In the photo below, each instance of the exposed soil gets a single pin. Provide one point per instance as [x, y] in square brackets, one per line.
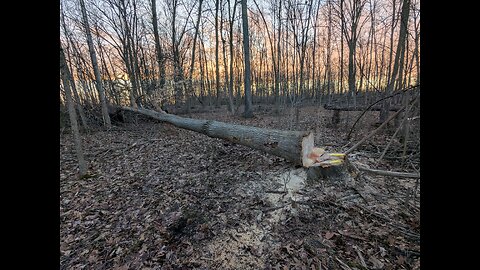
[159, 197]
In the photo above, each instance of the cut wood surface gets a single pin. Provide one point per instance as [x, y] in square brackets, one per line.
[291, 145]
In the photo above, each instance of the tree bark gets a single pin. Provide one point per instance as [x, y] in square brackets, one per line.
[98, 78]
[248, 113]
[74, 88]
[398, 55]
[277, 74]
[217, 62]
[231, 18]
[192, 63]
[356, 108]
[158, 47]
[73, 116]
[291, 145]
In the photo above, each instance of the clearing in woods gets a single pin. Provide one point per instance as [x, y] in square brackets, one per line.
[159, 197]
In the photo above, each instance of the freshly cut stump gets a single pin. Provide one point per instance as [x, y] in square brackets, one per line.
[334, 167]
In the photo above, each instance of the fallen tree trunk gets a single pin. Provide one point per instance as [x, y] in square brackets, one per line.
[359, 109]
[294, 146]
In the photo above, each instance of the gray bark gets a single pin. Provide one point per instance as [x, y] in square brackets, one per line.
[98, 78]
[277, 74]
[73, 116]
[231, 107]
[291, 145]
[74, 88]
[398, 55]
[217, 62]
[192, 63]
[158, 47]
[248, 113]
[231, 17]
[335, 107]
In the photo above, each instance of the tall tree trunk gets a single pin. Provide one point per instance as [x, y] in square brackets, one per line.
[351, 71]
[217, 63]
[231, 22]
[341, 46]
[391, 42]
[98, 78]
[315, 86]
[177, 68]
[192, 63]
[248, 113]
[77, 98]
[329, 52]
[400, 48]
[202, 76]
[73, 116]
[103, 64]
[230, 105]
[277, 74]
[158, 47]
[371, 40]
[127, 43]
[70, 75]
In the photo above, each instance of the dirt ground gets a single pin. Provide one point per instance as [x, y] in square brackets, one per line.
[159, 197]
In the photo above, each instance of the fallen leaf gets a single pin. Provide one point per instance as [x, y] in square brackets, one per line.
[383, 252]
[377, 264]
[391, 240]
[329, 235]
[401, 259]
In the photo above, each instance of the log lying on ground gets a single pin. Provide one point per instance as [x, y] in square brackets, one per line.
[294, 146]
[358, 108]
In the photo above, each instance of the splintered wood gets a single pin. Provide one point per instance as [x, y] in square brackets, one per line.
[319, 157]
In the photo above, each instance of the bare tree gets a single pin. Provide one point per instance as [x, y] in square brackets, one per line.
[73, 115]
[248, 113]
[93, 57]
[227, 88]
[217, 63]
[398, 55]
[192, 60]
[354, 12]
[296, 49]
[279, 54]
[158, 47]
[70, 76]
[231, 21]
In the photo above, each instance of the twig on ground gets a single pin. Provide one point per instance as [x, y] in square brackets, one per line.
[360, 256]
[342, 264]
[391, 223]
[388, 173]
[276, 191]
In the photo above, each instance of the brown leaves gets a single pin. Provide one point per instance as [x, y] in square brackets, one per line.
[329, 235]
[377, 264]
[170, 200]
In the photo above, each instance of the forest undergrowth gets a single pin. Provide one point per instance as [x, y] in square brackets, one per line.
[159, 197]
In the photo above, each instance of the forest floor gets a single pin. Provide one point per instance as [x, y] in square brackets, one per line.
[159, 197]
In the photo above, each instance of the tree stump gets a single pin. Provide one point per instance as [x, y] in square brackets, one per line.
[343, 173]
